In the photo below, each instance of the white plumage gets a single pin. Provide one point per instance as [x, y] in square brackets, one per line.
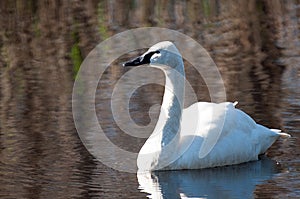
[202, 135]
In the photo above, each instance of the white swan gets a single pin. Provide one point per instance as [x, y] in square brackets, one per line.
[202, 135]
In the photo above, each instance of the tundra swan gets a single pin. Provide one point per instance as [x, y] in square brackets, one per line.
[186, 138]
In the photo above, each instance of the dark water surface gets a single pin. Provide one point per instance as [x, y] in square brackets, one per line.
[254, 43]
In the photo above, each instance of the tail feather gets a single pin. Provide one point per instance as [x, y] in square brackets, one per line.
[281, 134]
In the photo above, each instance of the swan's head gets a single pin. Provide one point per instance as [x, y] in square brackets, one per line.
[162, 53]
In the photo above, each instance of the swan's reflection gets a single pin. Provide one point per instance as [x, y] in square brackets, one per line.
[237, 181]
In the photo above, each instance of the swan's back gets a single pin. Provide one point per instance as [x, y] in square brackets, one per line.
[221, 135]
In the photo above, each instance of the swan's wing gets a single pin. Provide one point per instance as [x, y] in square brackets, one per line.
[234, 135]
[210, 121]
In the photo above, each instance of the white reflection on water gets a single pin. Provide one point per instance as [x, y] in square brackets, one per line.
[238, 181]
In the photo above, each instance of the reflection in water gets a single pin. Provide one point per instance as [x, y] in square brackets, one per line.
[238, 181]
[254, 43]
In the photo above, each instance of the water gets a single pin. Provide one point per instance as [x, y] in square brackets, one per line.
[254, 44]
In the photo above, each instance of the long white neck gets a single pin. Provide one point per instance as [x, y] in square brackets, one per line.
[160, 148]
[172, 105]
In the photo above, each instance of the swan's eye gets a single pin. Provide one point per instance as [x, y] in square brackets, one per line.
[149, 56]
[142, 59]
[155, 55]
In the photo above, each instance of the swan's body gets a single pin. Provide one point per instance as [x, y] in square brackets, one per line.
[202, 135]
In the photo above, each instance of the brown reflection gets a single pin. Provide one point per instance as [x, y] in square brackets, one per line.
[253, 43]
[41, 155]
